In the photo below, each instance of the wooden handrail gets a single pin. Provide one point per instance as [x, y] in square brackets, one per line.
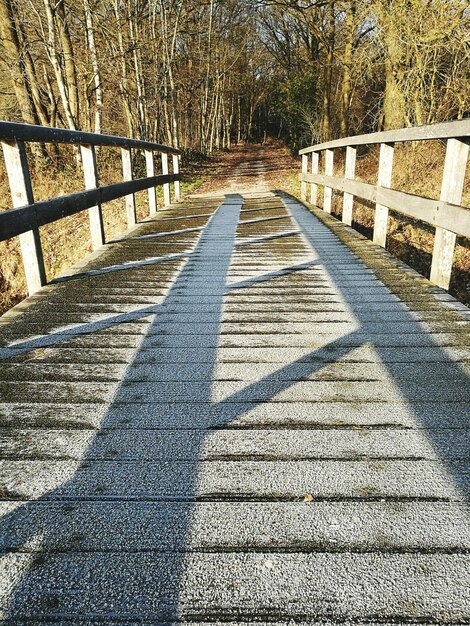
[26, 216]
[458, 129]
[11, 131]
[446, 215]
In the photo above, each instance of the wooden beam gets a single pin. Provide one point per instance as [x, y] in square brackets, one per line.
[348, 198]
[459, 129]
[127, 174]
[453, 179]
[303, 185]
[166, 186]
[21, 194]
[434, 212]
[384, 180]
[176, 169]
[11, 131]
[90, 175]
[152, 192]
[314, 186]
[14, 222]
[328, 191]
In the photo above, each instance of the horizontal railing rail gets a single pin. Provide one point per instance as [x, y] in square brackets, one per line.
[446, 215]
[26, 216]
[11, 131]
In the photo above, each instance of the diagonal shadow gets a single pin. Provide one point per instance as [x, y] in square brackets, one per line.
[112, 506]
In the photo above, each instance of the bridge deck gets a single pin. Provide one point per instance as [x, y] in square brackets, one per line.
[231, 415]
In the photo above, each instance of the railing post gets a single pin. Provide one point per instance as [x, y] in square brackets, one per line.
[126, 156]
[90, 176]
[328, 191]
[451, 191]
[303, 184]
[152, 192]
[314, 186]
[176, 170]
[384, 180]
[348, 198]
[166, 186]
[21, 190]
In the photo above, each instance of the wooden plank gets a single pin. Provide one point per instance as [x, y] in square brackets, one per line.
[348, 198]
[434, 212]
[127, 174]
[451, 191]
[166, 186]
[11, 131]
[303, 185]
[384, 180]
[152, 192]
[13, 222]
[314, 186]
[16, 164]
[90, 175]
[459, 129]
[328, 191]
[176, 169]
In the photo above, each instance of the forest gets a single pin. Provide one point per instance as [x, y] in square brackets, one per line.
[202, 75]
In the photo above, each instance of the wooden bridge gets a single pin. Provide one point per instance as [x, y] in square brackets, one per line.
[239, 411]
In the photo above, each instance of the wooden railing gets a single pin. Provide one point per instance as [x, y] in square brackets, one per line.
[26, 216]
[446, 214]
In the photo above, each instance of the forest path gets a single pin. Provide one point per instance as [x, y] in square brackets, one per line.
[251, 169]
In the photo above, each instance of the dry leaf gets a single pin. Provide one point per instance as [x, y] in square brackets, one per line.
[308, 497]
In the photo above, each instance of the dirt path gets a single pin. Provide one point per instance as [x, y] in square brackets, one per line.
[252, 169]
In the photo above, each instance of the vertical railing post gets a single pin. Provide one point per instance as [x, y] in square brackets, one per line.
[314, 186]
[328, 191]
[126, 156]
[384, 180]
[152, 192]
[176, 171]
[348, 198]
[16, 163]
[303, 184]
[166, 186]
[90, 176]
[451, 191]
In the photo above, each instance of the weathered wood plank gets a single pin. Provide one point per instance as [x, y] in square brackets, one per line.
[126, 155]
[152, 192]
[349, 172]
[455, 129]
[328, 191]
[166, 186]
[303, 185]
[13, 222]
[434, 212]
[453, 179]
[90, 175]
[314, 186]
[384, 180]
[22, 193]
[176, 169]
[11, 131]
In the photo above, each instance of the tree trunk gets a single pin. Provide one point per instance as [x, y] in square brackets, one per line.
[347, 67]
[69, 61]
[15, 61]
[94, 64]
[326, 122]
[53, 56]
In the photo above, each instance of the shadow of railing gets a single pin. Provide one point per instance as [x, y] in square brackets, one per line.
[129, 560]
